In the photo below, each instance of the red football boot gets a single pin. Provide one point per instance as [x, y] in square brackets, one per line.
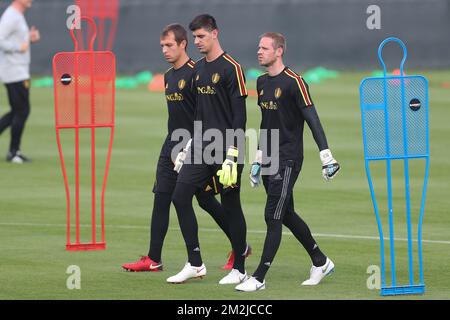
[230, 262]
[143, 264]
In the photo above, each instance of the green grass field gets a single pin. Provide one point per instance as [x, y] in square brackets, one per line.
[33, 260]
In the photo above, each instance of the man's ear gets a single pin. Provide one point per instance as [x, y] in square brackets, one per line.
[280, 52]
[215, 33]
[183, 44]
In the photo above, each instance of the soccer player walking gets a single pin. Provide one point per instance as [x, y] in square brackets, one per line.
[286, 105]
[181, 107]
[15, 40]
[220, 105]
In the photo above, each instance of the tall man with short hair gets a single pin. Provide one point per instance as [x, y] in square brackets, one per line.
[15, 40]
[181, 107]
[220, 105]
[286, 105]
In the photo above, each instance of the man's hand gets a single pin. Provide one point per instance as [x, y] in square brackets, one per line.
[24, 47]
[255, 171]
[228, 174]
[330, 167]
[35, 36]
[181, 157]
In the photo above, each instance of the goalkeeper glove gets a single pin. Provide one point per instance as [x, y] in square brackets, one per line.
[329, 166]
[255, 171]
[228, 174]
[179, 161]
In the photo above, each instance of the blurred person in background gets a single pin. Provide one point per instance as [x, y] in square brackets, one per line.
[15, 40]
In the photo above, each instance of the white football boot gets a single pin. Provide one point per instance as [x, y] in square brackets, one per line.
[251, 285]
[188, 272]
[234, 277]
[318, 273]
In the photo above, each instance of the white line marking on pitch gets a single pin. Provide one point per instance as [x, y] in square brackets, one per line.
[319, 235]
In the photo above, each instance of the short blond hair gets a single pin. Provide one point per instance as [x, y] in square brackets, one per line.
[279, 41]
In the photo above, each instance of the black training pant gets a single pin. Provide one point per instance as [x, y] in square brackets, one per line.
[19, 101]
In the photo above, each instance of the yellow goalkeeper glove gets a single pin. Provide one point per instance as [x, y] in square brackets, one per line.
[228, 174]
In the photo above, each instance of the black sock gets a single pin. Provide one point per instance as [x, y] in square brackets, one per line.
[271, 245]
[301, 231]
[194, 255]
[159, 224]
[231, 203]
[182, 200]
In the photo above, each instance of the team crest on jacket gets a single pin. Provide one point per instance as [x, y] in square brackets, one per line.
[278, 93]
[181, 84]
[215, 78]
